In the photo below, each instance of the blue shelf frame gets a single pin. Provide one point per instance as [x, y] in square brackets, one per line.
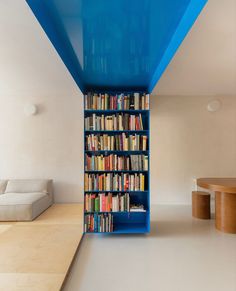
[112, 132]
[125, 222]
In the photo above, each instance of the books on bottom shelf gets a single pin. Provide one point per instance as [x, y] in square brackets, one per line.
[107, 203]
[98, 222]
[131, 101]
[115, 162]
[118, 142]
[114, 182]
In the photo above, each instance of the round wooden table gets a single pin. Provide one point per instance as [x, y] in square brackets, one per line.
[225, 201]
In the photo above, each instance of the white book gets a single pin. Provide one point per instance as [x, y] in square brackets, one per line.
[137, 210]
[147, 101]
[136, 101]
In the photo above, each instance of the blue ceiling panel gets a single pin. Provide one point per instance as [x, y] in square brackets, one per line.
[116, 44]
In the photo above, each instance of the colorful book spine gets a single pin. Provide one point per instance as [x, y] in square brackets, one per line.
[121, 142]
[98, 222]
[115, 162]
[114, 182]
[132, 101]
[114, 122]
[107, 202]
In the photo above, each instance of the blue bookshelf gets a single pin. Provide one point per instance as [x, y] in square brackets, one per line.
[123, 221]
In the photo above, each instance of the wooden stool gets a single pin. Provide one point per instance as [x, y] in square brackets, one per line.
[201, 205]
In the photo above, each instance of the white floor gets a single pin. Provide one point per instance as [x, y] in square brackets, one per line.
[180, 254]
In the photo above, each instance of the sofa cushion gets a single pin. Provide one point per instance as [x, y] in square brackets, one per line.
[18, 199]
[27, 186]
[23, 207]
[3, 184]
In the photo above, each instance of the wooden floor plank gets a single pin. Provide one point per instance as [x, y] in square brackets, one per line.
[37, 255]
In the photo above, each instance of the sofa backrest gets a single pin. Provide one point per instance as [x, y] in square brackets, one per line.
[3, 184]
[28, 185]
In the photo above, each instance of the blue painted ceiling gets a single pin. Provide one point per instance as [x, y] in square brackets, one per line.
[116, 44]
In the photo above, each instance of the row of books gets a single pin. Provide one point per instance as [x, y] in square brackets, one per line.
[118, 142]
[114, 122]
[115, 162]
[107, 203]
[98, 222]
[132, 101]
[114, 182]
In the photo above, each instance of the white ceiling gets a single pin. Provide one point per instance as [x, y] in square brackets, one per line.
[204, 65]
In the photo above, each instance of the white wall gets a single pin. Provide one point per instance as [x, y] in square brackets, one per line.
[47, 145]
[50, 144]
[188, 141]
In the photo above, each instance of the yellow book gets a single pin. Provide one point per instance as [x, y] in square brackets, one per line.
[142, 182]
[102, 163]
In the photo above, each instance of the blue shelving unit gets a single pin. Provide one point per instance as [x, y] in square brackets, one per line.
[124, 222]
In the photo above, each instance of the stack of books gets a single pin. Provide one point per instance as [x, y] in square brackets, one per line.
[137, 208]
[132, 101]
[114, 122]
[114, 182]
[98, 222]
[116, 163]
[107, 203]
[119, 142]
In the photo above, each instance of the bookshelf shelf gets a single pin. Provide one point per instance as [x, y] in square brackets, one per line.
[124, 230]
[116, 131]
[118, 219]
[112, 191]
[121, 171]
[116, 212]
[117, 152]
[116, 111]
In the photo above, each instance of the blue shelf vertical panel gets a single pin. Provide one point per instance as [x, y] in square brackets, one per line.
[124, 221]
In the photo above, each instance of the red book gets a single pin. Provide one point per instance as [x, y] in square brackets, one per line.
[137, 123]
[106, 203]
[108, 164]
[100, 183]
[109, 202]
[103, 202]
[126, 182]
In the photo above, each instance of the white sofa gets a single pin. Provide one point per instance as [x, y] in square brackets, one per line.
[24, 200]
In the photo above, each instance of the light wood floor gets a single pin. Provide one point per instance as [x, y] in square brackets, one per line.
[35, 256]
